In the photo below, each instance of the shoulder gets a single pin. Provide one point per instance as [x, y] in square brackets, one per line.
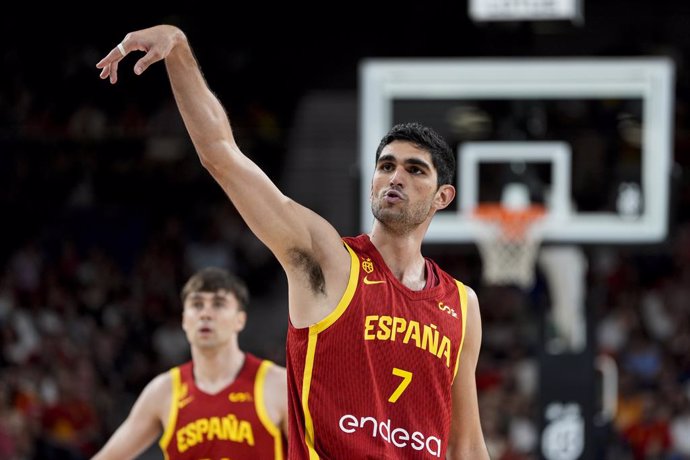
[276, 376]
[471, 304]
[472, 299]
[474, 321]
[155, 398]
[160, 385]
[473, 310]
[275, 392]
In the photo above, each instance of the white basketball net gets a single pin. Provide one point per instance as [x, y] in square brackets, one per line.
[508, 256]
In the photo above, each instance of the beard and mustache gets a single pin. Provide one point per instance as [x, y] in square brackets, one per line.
[403, 217]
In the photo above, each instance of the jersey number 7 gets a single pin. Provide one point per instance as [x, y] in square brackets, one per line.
[406, 379]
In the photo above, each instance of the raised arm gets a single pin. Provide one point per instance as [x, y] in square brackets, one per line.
[304, 243]
[466, 438]
[143, 425]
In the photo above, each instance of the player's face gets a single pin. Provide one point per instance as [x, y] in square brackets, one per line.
[404, 186]
[212, 318]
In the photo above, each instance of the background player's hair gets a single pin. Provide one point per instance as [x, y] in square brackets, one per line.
[213, 279]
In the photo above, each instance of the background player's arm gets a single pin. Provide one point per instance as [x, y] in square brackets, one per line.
[302, 241]
[466, 438]
[143, 425]
[275, 395]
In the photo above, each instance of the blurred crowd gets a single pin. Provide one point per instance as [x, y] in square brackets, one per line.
[107, 211]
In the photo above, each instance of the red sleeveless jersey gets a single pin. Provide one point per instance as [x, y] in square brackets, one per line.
[230, 425]
[373, 379]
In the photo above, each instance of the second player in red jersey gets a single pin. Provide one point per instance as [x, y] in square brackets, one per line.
[233, 423]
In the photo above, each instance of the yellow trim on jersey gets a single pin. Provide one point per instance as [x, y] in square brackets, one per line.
[314, 331]
[345, 300]
[463, 314]
[262, 411]
[172, 416]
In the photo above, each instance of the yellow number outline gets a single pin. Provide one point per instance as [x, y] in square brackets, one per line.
[406, 379]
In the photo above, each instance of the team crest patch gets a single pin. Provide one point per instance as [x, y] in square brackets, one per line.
[368, 265]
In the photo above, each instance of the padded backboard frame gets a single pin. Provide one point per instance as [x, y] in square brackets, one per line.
[383, 81]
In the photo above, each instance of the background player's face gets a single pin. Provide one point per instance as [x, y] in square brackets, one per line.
[212, 319]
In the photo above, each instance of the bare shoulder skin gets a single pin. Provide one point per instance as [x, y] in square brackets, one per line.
[275, 396]
[143, 425]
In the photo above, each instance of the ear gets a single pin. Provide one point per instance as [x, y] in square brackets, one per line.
[182, 322]
[241, 320]
[444, 196]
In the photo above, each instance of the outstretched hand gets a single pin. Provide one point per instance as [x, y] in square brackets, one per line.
[157, 42]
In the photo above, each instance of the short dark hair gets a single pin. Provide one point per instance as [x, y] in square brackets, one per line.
[427, 139]
[214, 279]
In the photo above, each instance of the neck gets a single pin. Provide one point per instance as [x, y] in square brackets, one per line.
[214, 369]
[402, 254]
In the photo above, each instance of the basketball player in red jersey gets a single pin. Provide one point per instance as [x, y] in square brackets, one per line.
[382, 344]
[224, 403]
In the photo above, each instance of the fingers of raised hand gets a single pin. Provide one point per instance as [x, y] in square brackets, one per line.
[121, 46]
[110, 62]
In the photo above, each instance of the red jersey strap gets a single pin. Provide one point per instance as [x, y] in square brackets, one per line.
[262, 410]
[314, 331]
[175, 395]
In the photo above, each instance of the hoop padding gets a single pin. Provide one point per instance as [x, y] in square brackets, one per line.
[508, 243]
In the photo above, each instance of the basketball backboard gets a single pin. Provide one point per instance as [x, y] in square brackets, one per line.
[591, 138]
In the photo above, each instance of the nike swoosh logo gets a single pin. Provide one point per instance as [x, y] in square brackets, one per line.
[183, 402]
[368, 281]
